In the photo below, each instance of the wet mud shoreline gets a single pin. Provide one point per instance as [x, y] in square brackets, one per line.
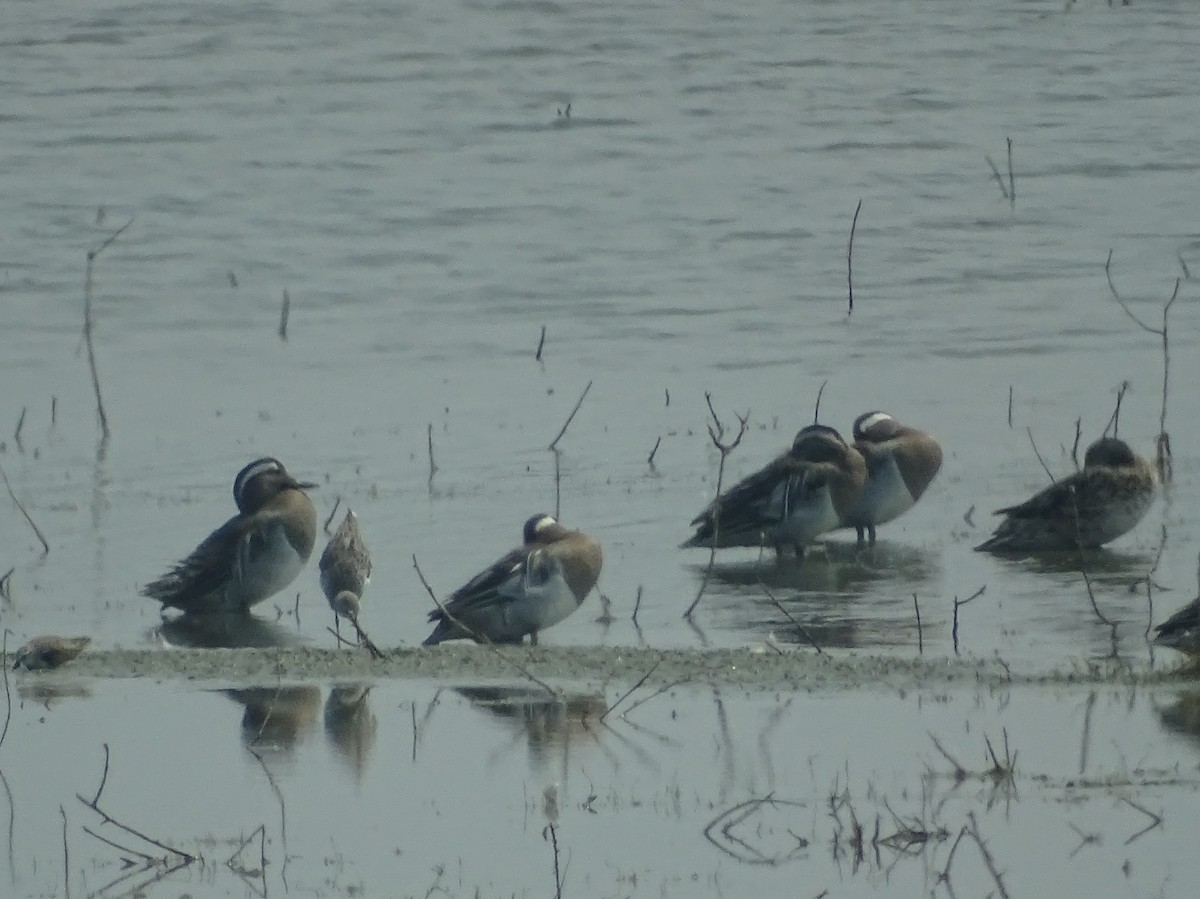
[753, 668]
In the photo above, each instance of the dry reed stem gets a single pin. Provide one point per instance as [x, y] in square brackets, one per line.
[38, 531]
[92, 254]
[1042, 461]
[641, 680]
[653, 452]
[957, 604]
[850, 258]
[285, 309]
[7, 691]
[1163, 457]
[570, 418]
[920, 631]
[817, 405]
[433, 469]
[716, 431]
[541, 343]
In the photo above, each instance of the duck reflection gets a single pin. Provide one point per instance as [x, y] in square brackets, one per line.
[350, 724]
[550, 723]
[225, 631]
[818, 594]
[1104, 566]
[47, 692]
[275, 718]
[1182, 716]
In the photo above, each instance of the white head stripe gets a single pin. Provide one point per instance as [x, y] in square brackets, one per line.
[260, 467]
[873, 419]
[544, 522]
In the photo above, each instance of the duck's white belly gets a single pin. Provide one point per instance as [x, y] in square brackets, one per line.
[885, 497]
[802, 521]
[262, 568]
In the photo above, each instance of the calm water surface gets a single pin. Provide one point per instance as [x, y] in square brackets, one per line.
[408, 174]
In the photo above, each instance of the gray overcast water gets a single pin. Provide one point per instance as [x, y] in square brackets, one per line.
[407, 172]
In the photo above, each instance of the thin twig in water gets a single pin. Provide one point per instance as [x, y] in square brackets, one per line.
[804, 632]
[53, 410]
[38, 531]
[1010, 399]
[1012, 185]
[957, 604]
[7, 695]
[716, 431]
[337, 501]
[1155, 820]
[817, 405]
[433, 469]
[285, 310]
[87, 321]
[1087, 580]
[1032, 443]
[553, 831]
[968, 516]
[541, 343]
[999, 178]
[850, 258]
[990, 862]
[641, 680]
[650, 459]
[1075, 445]
[920, 632]
[17, 432]
[1163, 442]
[1114, 421]
[66, 855]
[477, 637]
[570, 418]
[637, 605]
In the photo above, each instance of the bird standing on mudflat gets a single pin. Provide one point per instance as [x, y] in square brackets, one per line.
[524, 592]
[253, 555]
[901, 463]
[1102, 501]
[798, 496]
[345, 568]
[42, 653]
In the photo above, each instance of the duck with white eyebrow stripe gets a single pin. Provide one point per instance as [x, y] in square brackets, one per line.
[901, 463]
[524, 592]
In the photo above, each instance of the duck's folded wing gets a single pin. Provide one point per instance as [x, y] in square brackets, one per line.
[1055, 501]
[754, 501]
[491, 585]
[205, 569]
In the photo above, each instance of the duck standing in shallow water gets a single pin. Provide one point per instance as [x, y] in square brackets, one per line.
[252, 556]
[798, 496]
[901, 463]
[1095, 505]
[526, 591]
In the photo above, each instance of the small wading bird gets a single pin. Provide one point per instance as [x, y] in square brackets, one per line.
[901, 462]
[49, 652]
[252, 556]
[530, 589]
[345, 568]
[1099, 503]
[798, 496]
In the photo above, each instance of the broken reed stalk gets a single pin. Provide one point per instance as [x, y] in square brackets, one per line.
[94, 805]
[1075, 445]
[553, 831]
[570, 418]
[66, 855]
[38, 531]
[716, 431]
[1163, 459]
[479, 638]
[650, 460]
[541, 343]
[999, 178]
[1114, 420]
[920, 632]
[53, 410]
[641, 680]
[1012, 184]
[989, 862]
[557, 484]
[285, 309]
[850, 258]
[804, 632]
[1010, 398]
[337, 501]
[20, 424]
[1045, 468]
[959, 603]
[433, 469]
[7, 689]
[817, 405]
[92, 254]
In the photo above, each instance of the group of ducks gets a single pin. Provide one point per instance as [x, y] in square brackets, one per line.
[822, 483]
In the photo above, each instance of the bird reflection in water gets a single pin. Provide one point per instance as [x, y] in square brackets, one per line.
[275, 718]
[842, 596]
[1182, 716]
[224, 631]
[350, 724]
[551, 723]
